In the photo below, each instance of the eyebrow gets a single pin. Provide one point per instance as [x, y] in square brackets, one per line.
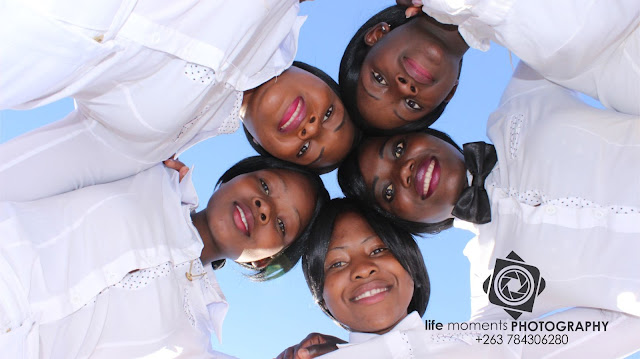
[363, 241]
[344, 118]
[381, 151]
[395, 112]
[317, 159]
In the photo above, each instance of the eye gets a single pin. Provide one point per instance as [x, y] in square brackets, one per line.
[378, 78]
[412, 104]
[337, 265]
[398, 150]
[303, 149]
[281, 227]
[328, 113]
[388, 193]
[265, 188]
[379, 250]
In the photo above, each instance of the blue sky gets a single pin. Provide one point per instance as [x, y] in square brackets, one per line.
[265, 318]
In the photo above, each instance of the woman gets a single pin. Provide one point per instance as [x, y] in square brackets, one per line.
[399, 73]
[121, 269]
[370, 278]
[141, 101]
[559, 195]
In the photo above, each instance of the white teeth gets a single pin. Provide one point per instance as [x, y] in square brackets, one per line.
[427, 177]
[370, 293]
[244, 219]
[293, 116]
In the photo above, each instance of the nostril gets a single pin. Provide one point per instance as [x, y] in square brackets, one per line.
[402, 80]
[413, 165]
[413, 89]
[263, 216]
[258, 204]
[312, 120]
[304, 131]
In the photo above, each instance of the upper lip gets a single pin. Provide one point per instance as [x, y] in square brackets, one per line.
[248, 216]
[416, 71]
[422, 177]
[293, 115]
[363, 288]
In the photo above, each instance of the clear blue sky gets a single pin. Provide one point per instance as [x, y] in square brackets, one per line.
[265, 318]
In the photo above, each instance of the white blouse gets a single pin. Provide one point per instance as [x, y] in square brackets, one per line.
[410, 339]
[161, 77]
[69, 265]
[592, 47]
[564, 198]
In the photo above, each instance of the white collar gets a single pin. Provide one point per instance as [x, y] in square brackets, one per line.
[412, 320]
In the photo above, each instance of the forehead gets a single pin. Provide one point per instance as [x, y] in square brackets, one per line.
[350, 230]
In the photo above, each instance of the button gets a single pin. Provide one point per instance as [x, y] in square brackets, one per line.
[99, 38]
[550, 210]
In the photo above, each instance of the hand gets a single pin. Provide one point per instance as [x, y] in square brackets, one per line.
[314, 345]
[178, 166]
[414, 7]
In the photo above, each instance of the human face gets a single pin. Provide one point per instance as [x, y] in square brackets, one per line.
[258, 214]
[408, 72]
[416, 176]
[365, 287]
[298, 118]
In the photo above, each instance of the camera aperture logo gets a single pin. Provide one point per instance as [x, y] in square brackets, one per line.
[514, 285]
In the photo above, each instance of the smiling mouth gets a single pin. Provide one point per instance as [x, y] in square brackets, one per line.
[427, 178]
[293, 116]
[370, 293]
[240, 219]
[417, 71]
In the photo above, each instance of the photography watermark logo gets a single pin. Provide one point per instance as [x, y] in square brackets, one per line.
[514, 285]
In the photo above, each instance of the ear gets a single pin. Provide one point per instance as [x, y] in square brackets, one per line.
[376, 32]
[261, 263]
[452, 92]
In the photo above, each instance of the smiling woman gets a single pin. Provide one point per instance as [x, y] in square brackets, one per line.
[146, 259]
[299, 117]
[364, 272]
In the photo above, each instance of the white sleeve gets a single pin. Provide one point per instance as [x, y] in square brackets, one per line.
[60, 157]
[592, 47]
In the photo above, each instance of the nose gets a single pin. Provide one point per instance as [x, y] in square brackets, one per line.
[263, 209]
[405, 85]
[405, 172]
[309, 130]
[363, 269]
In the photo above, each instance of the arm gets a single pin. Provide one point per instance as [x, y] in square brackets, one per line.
[61, 157]
[592, 47]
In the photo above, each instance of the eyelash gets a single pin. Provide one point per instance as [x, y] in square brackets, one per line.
[280, 222]
[328, 114]
[413, 104]
[303, 149]
[379, 250]
[398, 149]
[388, 192]
[378, 78]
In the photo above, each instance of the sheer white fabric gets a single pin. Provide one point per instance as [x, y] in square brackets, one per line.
[589, 46]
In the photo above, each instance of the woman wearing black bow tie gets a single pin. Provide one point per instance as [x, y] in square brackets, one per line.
[563, 195]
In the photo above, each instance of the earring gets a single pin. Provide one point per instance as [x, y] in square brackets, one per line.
[384, 29]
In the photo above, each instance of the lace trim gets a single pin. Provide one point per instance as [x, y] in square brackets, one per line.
[141, 278]
[186, 305]
[536, 198]
[514, 138]
[405, 338]
[199, 73]
[232, 122]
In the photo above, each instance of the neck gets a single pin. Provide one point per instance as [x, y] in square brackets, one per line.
[211, 252]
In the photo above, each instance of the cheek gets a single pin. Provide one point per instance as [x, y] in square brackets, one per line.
[332, 294]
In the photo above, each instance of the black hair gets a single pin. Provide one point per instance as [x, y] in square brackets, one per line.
[399, 242]
[287, 258]
[351, 64]
[352, 183]
[334, 86]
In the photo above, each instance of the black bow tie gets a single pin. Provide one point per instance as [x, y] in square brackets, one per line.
[473, 205]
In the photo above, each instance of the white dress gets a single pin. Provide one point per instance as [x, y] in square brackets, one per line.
[161, 77]
[410, 339]
[589, 46]
[564, 197]
[101, 271]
